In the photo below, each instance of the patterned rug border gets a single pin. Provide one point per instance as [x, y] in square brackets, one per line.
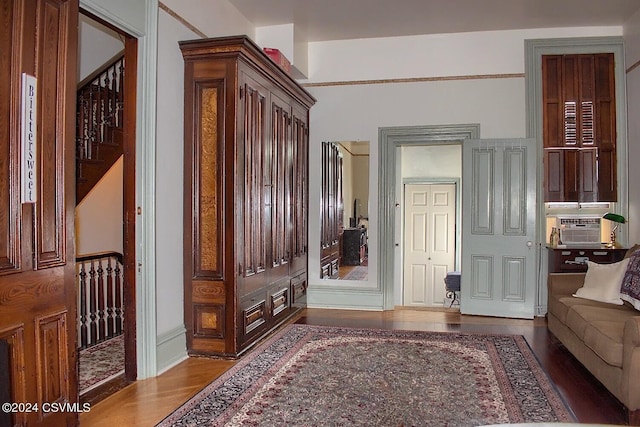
[552, 395]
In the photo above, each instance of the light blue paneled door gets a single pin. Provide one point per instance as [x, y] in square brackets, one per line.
[498, 235]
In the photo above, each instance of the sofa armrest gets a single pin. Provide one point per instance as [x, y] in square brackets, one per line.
[631, 363]
[564, 283]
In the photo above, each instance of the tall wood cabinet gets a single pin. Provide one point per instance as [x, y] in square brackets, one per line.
[331, 211]
[579, 121]
[246, 194]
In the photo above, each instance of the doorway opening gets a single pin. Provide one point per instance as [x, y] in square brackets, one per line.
[105, 207]
[390, 193]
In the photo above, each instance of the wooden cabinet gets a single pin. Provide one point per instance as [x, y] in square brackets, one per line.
[579, 122]
[246, 194]
[574, 260]
[331, 211]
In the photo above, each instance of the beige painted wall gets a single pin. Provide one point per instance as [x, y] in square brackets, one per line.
[99, 215]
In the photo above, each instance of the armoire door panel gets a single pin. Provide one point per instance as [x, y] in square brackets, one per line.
[299, 198]
[279, 180]
[208, 239]
[252, 130]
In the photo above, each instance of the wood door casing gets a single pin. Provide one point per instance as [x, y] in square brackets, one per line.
[37, 272]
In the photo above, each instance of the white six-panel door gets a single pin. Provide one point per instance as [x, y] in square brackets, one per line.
[429, 242]
[498, 228]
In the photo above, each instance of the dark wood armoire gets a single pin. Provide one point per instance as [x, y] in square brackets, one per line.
[331, 211]
[246, 194]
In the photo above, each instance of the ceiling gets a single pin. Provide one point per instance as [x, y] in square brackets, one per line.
[323, 20]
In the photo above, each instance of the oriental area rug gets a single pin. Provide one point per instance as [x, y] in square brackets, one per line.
[100, 363]
[329, 376]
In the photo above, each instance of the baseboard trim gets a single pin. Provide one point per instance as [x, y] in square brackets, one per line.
[349, 299]
[171, 349]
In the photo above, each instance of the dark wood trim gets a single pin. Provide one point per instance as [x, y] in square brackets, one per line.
[129, 204]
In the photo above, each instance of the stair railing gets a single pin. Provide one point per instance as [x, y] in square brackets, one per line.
[100, 100]
[100, 281]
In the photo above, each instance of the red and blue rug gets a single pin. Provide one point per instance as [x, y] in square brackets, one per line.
[327, 376]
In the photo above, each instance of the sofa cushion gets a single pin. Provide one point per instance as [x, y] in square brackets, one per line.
[561, 304]
[580, 316]
[630, 288]
[603, 282]
[604, 337]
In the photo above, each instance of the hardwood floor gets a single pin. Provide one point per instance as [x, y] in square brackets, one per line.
[146, 402]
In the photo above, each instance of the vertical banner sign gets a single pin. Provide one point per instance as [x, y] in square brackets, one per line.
[28, 136]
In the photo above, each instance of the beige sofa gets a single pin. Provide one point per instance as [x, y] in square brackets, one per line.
[605, 338]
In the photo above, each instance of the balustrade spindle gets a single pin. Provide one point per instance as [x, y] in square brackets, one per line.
[100, 283]
[83, 307]
[110, 302]
[93, 327]
[118, 306]
[101, 304]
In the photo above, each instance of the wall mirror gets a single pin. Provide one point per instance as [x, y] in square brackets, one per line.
[344, 206]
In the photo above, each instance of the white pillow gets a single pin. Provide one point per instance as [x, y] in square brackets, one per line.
[603, 281]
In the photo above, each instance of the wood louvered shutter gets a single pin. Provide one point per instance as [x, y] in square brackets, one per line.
[579, 127]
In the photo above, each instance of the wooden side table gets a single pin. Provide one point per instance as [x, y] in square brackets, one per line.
[574, 259]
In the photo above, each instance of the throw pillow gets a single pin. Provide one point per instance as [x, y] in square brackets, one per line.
[603, 282]
[631, 250]
[630, 290]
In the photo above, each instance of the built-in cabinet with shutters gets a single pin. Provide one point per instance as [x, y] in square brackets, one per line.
[246, 194]
[579, 122]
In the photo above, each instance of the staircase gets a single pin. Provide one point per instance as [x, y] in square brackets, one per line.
[99, 125]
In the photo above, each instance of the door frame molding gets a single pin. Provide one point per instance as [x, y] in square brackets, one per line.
[390, 138]
[145, 222]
